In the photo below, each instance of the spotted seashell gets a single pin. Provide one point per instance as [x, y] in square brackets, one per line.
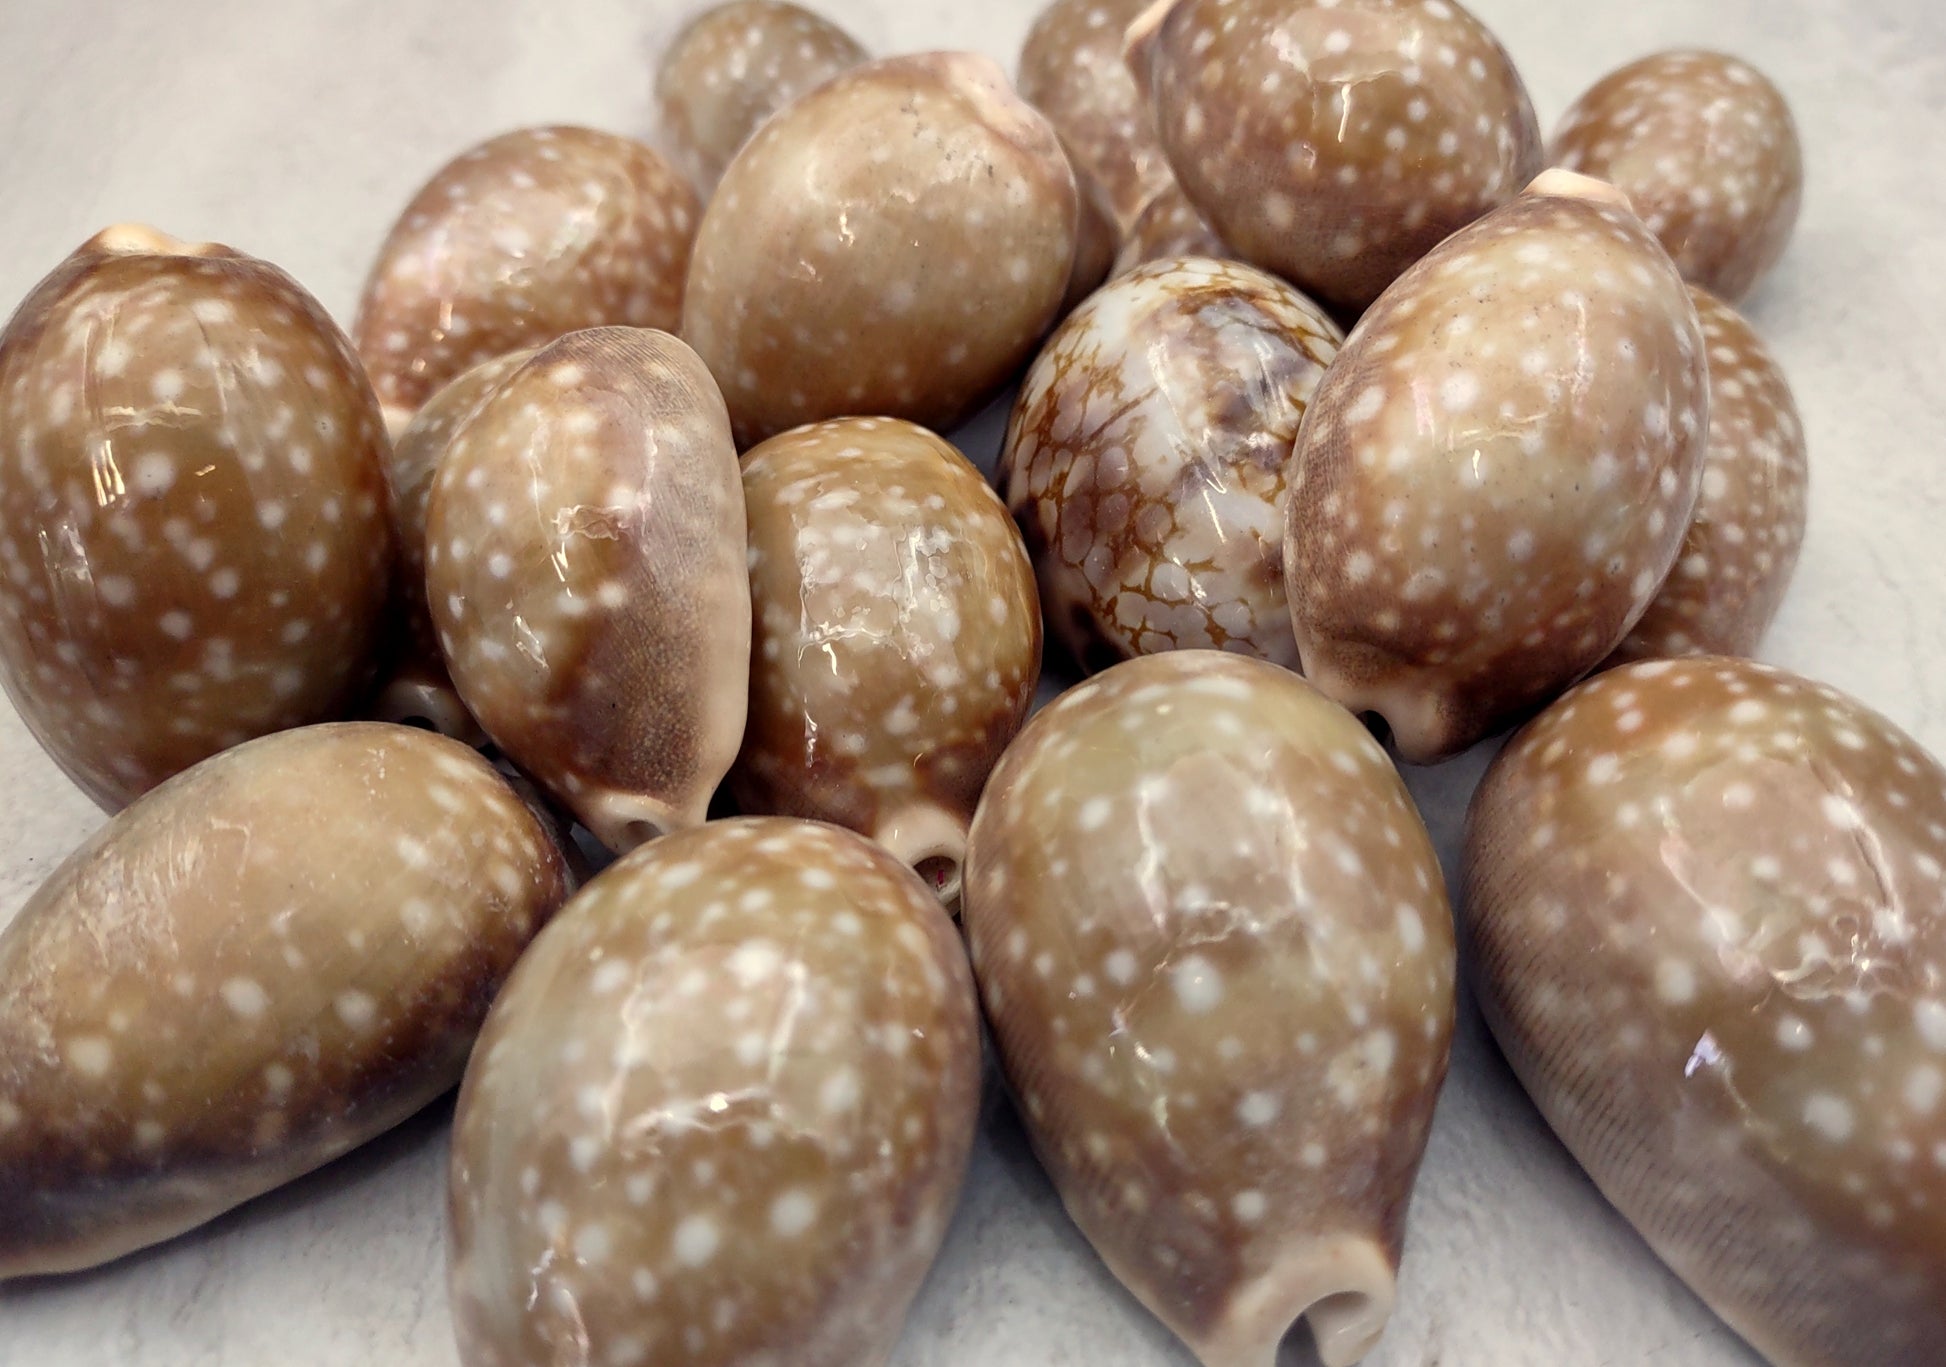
[1706, 150]
[585, 566]
[1708, 924]
[721, 1113]
[735, 65]
[1146, 460]
[1168, 225]
[1335, 142]
[1495, 477]
[263, 963]
[1215, 950]
[193, 548]
[897, 637]
[1741, 549]
[894, 243]
[530, 235]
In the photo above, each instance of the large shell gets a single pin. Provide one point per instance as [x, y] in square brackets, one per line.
[894, 243]
[721, 1113]
[1705, 148]
[1146, 460]
[530, 235]
[1214, 945]
[585, 565]
[1496, 475]
[193, 548]
[1709, 930]
[1335, 142]
[897, 636]
[268, 960]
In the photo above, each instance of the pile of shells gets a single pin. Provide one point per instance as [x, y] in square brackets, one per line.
[1356, 424]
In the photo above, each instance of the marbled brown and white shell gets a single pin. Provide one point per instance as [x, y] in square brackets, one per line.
[1496, 474]
[721, 1113]
[1708, 926]
[1168, 225]
[1146, 460]
[585, 569]
[897, 636]
[1706, 150]
[1215, 950]
[268, 960]
[1335, 142]
[193, 545]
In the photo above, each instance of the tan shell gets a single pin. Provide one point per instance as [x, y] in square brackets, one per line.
[193, 548]
[1071, 69]
[1168, 225]
[1146, 460]
[894, 243]
[1495, 477]
[1709, 930]
[732, 67]
[531, 235]
[721, 1113]
[1215, 950]
[897, 637]
[1741, 548]
[585, 564]
[1335, 143]
[1706, 150]
[1097, 240]
[265, 962]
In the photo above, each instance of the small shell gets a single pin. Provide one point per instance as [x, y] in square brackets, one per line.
[1708, 926]
[1342, 139]
[1705, 148]
[1215, 950]
[721, 1113]
[1071, 69]
[734, 66]
[1168, 225]
[527, 237]
[1145, 460]
[267, 961]
[894, 243]
[1495, 477]
[1743, 540]
[897, 637]
[193, 548]
[585, 565]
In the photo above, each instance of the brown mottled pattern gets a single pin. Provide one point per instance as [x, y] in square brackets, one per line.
[1496, 475]
[1215, 950]
[265, 962]
[721, 1113]
[1706, 907]
[1706, 149]
[1741, 548]
[734, 66]
[1146, 460]
[1336, 143]
[585, 566]
[896, 639]
[1168, 225]
[1071, 69]
[894, 244]
[193, 545]
[530, 235]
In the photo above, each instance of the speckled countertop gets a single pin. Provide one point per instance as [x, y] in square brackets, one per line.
[297, 131]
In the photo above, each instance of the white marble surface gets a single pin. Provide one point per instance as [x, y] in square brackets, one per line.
[297, 130]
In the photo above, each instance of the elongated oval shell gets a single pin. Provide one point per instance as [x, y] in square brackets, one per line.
[721, 1113]
[193, 547]
[1214, 947]
[265, 962]
[585, 566]
[897, 636]
[1708, 926]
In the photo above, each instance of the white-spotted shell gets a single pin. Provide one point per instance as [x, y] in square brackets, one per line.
[1708, 927]
[1214, 947]
[721, 1113]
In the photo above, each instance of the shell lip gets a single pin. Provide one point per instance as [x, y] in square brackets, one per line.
[931, 841]
[1559, 183]
[140, 239]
